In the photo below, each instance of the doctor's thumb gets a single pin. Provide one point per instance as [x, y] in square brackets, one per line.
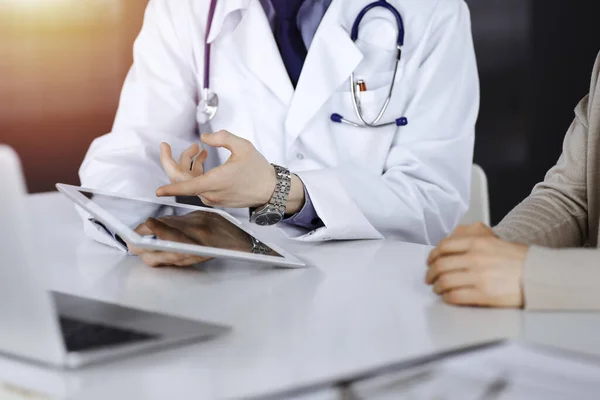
[222, 139]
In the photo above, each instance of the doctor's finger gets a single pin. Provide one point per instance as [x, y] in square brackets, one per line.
[163, 231]
[136, 250]
[226, 140]
[164, 259]
[168, 163]
[186, 157]
[198, 163]
[143, 229]
[192, 187]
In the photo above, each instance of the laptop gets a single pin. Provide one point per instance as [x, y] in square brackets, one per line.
[59, 329]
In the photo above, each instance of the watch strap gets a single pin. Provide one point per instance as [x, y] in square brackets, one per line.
[282, 188]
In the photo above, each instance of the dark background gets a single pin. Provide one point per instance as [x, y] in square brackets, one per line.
[535, 60]
[61, 70]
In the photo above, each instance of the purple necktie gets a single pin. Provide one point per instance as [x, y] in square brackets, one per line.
[288, 37]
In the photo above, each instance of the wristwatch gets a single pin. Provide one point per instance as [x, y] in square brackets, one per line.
[273, 212]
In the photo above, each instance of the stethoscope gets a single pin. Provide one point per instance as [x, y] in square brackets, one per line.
[209, 101]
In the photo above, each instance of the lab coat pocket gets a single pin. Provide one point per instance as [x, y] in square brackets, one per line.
[363, 146]
[371, 101]
[377, 86]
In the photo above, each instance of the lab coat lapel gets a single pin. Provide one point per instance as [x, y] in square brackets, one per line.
[331, 59]
[253, 47]
[223, 9]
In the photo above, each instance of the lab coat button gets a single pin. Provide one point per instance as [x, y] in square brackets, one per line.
[300, 156]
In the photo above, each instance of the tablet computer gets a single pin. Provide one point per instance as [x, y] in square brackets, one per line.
[181, 228]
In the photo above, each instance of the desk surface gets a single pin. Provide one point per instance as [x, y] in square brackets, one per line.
[360, 305]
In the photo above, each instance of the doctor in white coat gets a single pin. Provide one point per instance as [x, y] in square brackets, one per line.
[409, 182]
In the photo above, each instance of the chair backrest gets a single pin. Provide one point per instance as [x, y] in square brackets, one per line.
[479, 207]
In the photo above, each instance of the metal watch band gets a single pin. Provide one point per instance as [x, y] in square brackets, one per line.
[282, 188]
[259, 247]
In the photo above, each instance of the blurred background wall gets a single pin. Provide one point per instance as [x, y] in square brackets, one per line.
[535, 60]
[62, 64]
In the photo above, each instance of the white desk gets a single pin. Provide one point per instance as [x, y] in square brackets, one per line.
[362, 304]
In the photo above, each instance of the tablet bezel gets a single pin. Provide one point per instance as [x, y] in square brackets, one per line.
[130, 236]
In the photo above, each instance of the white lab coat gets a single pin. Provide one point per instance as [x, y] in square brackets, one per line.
[410, 183]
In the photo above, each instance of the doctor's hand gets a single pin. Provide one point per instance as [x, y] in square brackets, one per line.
[163, 231]
[473, 267]
[189, 166]
[247, 179]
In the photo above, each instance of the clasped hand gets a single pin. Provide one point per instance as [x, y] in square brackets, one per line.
[473, 267]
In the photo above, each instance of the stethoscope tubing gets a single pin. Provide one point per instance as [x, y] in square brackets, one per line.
[356, 103]
[206, 92]
[207, 45]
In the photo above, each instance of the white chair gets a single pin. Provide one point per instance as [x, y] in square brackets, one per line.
[479, 208]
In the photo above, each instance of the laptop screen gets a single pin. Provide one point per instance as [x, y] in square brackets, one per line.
[179, 224]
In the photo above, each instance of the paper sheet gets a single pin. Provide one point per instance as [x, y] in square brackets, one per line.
[506, 372]
[10, 392]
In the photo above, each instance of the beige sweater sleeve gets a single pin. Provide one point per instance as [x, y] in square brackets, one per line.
[555, 214]
[565, 279]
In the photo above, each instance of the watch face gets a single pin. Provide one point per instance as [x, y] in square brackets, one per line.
[267, 218]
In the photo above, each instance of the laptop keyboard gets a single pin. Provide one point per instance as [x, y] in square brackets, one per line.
[81, 335]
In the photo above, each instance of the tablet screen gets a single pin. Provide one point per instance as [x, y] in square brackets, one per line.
[179, 224]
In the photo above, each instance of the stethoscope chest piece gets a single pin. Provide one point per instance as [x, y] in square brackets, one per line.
[207, 106]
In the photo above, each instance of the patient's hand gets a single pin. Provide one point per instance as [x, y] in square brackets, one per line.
[473, 267]
[478, 229]
[155, 258]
